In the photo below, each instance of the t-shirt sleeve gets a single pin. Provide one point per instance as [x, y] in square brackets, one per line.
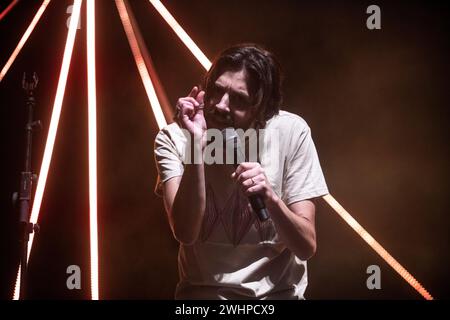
[303, 178]
[168, 159]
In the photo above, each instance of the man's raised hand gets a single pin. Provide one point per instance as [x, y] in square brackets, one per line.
[190, 114]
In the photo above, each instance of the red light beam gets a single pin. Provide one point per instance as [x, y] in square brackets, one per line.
[140, 63]
[377, 247]
[184, 37]
[92, 124]
[24, 39]
[8, 9]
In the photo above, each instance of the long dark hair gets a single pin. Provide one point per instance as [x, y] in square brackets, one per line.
[264, 77]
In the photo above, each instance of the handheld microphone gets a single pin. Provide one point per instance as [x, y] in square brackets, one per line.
[233, 143]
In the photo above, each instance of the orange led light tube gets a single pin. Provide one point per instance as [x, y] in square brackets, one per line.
[140, 63]
[24, 39]
[181, 34]
[377, 247]
[92, 124]
[8, 9]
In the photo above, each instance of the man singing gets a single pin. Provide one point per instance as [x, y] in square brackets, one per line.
[225, 251]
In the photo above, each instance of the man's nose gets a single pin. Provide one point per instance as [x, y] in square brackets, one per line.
[224, 104]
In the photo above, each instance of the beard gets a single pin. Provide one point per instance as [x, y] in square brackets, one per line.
[218, 120]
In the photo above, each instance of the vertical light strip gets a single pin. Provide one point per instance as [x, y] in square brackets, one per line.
[24, 39]
[92, 120]
[181, 34]
[377, 247]
[8, 9]
[53, 128]
[140, 63]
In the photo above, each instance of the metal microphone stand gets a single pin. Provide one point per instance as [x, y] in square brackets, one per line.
[26, 182]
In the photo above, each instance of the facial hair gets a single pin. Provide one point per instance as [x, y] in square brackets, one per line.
[212, 115]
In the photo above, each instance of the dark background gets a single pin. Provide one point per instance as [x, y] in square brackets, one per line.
[377, 103]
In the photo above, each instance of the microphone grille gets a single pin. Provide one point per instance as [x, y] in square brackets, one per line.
[229, 134]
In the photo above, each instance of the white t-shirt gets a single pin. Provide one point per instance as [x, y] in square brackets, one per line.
[236, 256]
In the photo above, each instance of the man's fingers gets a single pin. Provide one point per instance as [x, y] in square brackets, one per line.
[188, 100]
[258, 189]
[187, 108]
[244, 166]
[251, 182]
[200, 97]
[252, 173]
[193, 92]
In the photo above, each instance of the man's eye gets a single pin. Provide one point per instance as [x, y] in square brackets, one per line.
[240, 102]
